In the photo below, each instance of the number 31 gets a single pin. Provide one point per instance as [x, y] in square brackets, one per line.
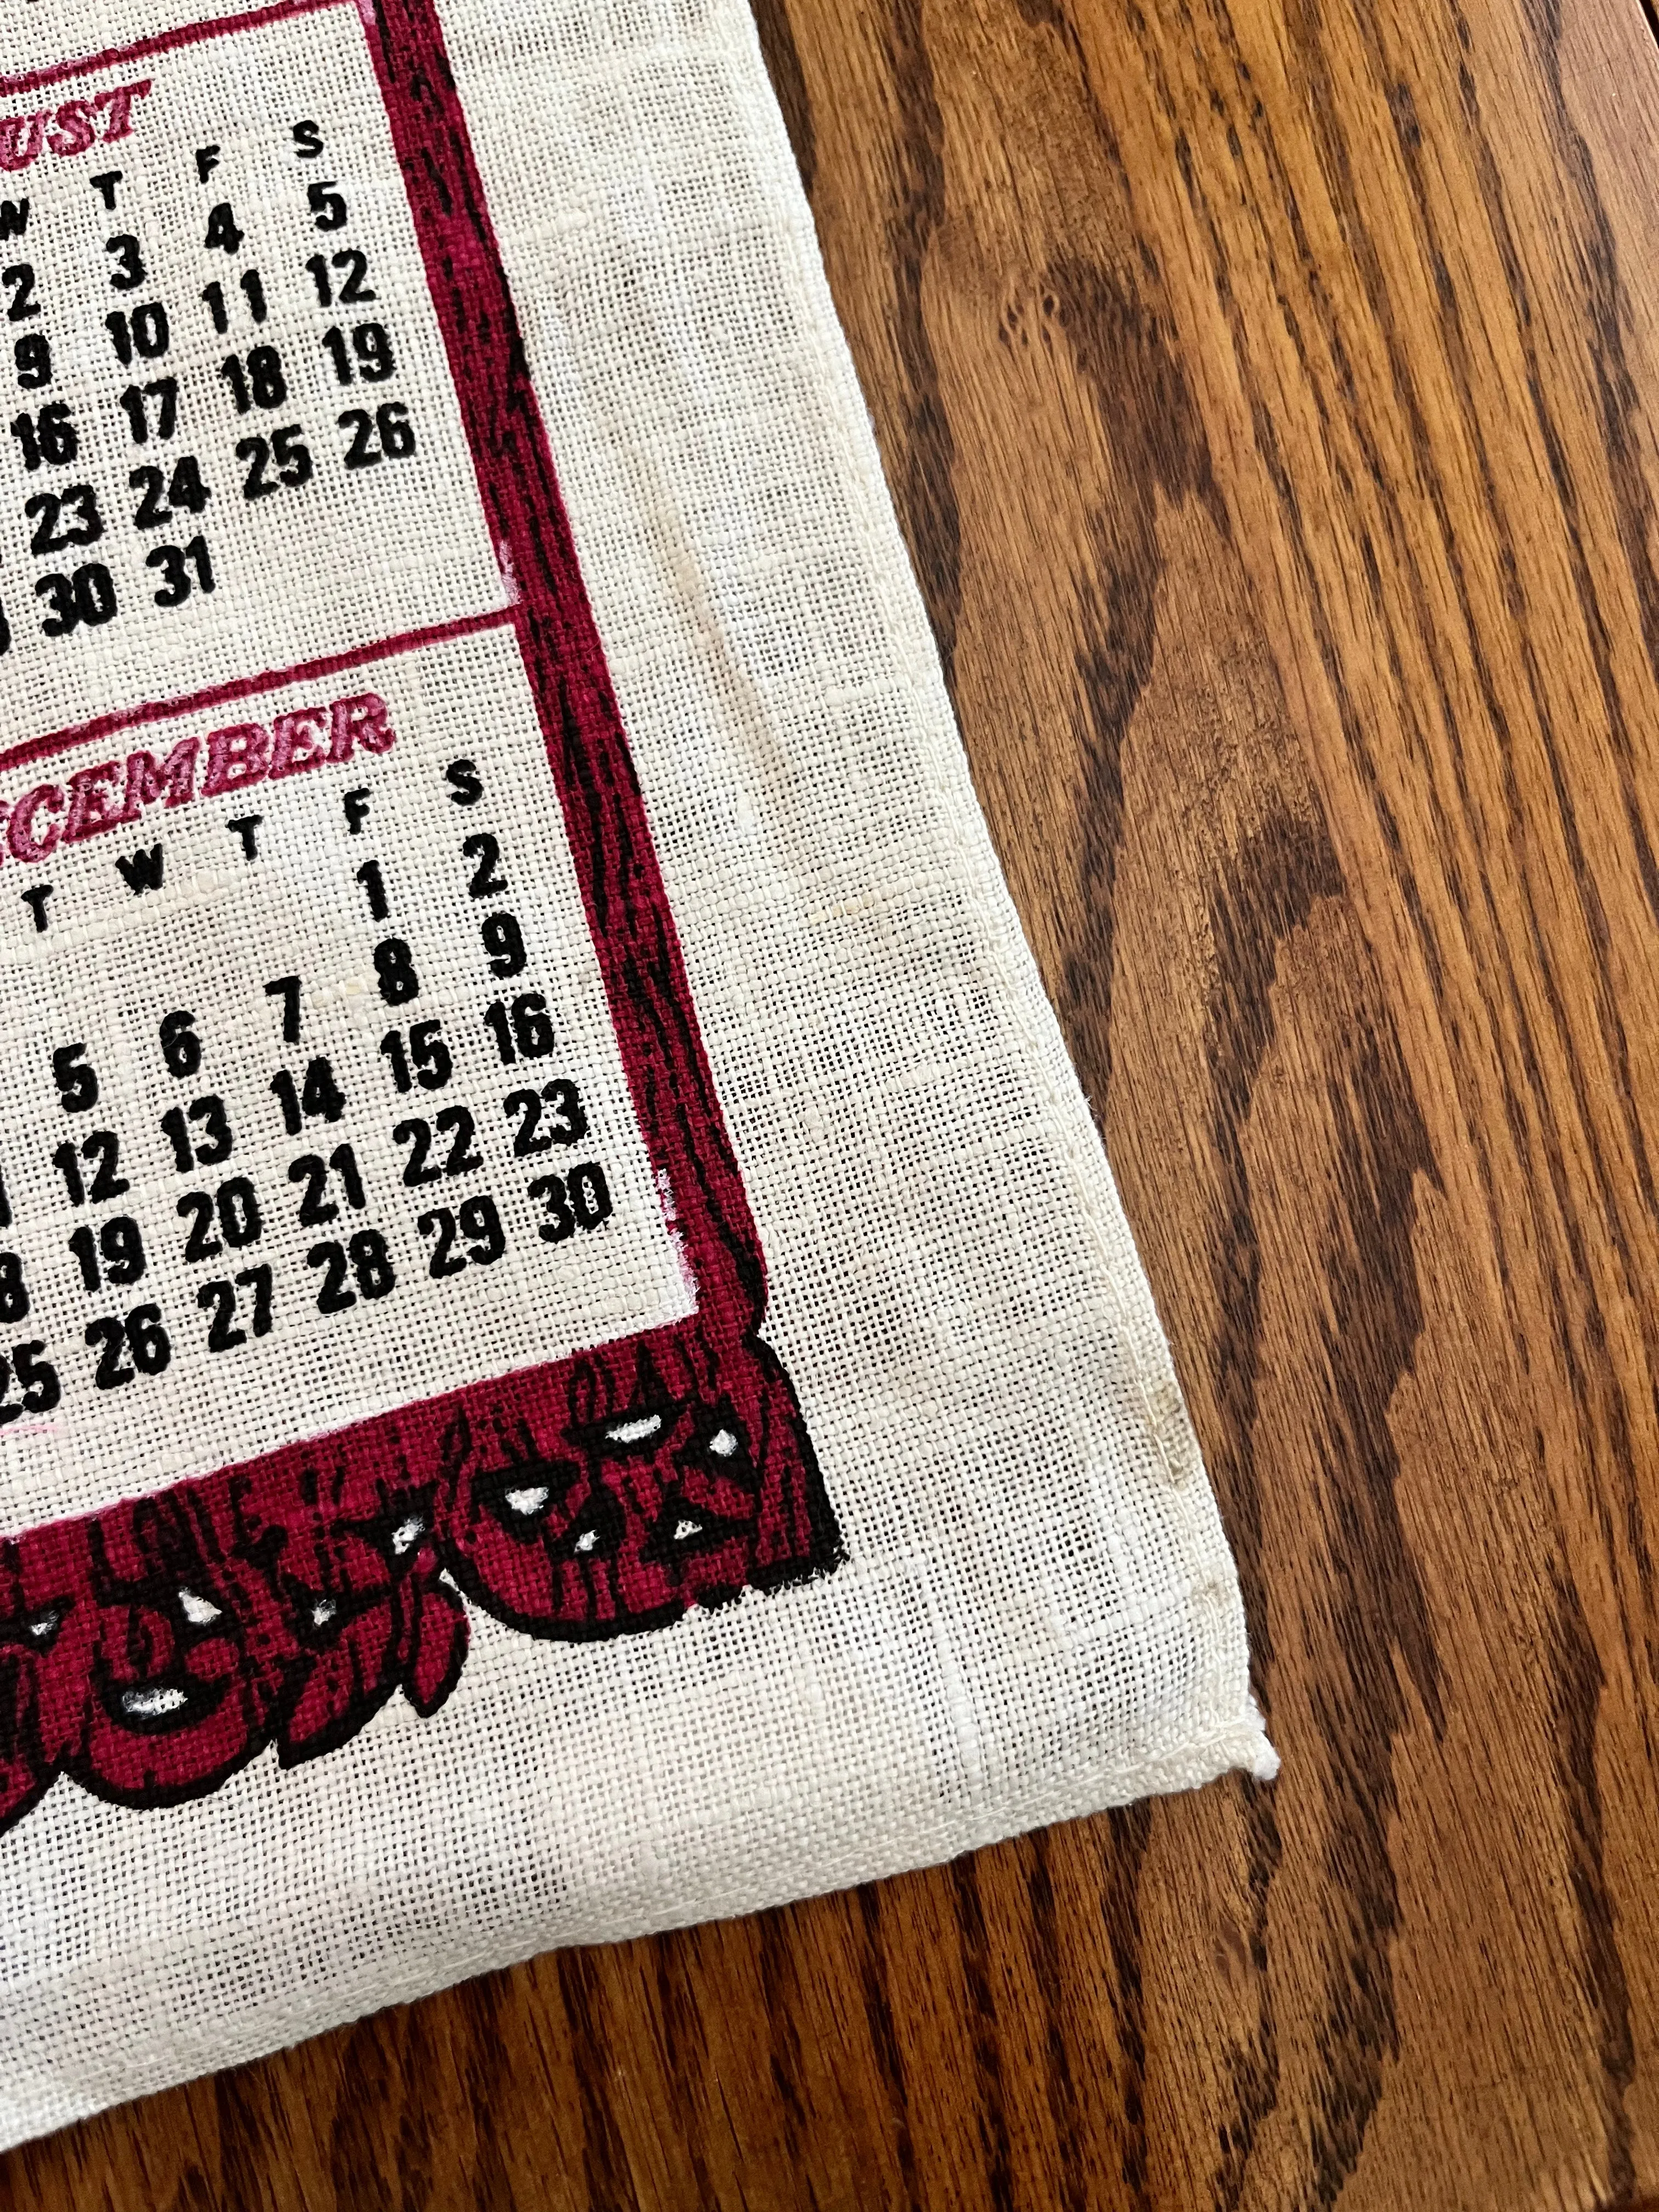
[176, 564]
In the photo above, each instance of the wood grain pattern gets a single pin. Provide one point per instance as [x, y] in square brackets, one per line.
[1271, 395]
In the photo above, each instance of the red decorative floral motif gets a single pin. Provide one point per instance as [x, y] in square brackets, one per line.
[150, 1651]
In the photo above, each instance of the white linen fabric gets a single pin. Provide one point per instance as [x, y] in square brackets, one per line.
[1035, 1614]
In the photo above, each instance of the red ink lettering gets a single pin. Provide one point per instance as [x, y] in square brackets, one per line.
[118, 100]
[146, 782]
[21, 137]
[90, 792]
[113, 792]
[360, 722]
[299, 740]
[236, 758]
[74, 129]
[20, 831]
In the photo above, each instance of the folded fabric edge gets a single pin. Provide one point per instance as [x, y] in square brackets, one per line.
[1240, 1746]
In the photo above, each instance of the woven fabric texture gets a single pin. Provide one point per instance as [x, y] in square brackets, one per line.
[739, 1457]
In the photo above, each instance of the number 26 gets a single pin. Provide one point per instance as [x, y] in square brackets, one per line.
[387, 435]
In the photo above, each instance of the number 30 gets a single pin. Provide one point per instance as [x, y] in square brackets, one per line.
[88, 596]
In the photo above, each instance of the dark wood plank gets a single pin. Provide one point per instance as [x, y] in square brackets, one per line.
[1269, 397]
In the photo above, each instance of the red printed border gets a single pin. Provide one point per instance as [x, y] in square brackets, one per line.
[627, 912]
[150, 1650]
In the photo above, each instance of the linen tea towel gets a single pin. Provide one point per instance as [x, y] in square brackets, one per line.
[571, 1362]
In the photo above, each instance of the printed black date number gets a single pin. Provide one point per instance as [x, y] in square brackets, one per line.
[365, 1260]
[36, 1379]
[471, 1234]
[127, 1347]
[580, 1200]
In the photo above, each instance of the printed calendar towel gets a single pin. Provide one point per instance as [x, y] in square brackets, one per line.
[571, 1362]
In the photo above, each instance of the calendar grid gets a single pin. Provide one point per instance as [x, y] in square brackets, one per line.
[664, 1463]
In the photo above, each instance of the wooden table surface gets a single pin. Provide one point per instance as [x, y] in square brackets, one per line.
[1270, 395]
